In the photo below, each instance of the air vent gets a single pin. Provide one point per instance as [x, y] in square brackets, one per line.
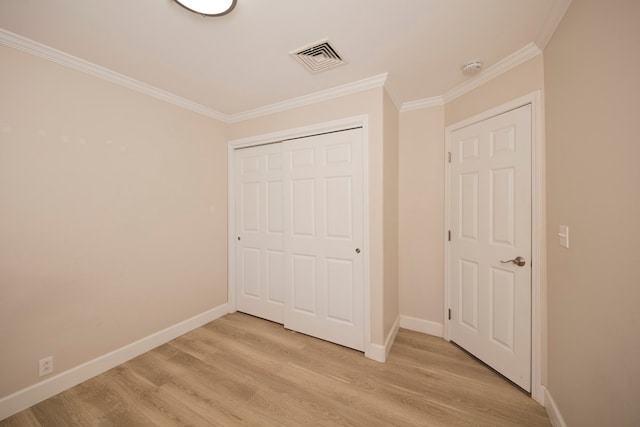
[320, 56]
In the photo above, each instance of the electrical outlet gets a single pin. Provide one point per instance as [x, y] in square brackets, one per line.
[45, 366]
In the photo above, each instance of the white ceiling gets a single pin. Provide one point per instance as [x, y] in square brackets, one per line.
[240, 62]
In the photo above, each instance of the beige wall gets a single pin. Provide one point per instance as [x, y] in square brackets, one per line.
[367, 102]
[592, 66]
[112, 216]
[370, 103]
[391, 182]
[421, 218]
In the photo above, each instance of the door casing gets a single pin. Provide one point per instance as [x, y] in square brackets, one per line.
[538, 225]
[371, 351]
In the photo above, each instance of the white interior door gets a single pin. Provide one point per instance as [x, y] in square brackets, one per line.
[259, 229]
[323, 217]
[490, 218]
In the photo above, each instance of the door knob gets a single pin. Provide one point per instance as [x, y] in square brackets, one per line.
[519, 261]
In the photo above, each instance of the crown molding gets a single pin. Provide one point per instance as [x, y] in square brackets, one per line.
[519, 57]
[528, 52]
[434, 101]
[388, 87]
[37, 49]
[313, 98]
[555, 15]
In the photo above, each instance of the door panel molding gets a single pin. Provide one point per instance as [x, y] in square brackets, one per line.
[538, 224]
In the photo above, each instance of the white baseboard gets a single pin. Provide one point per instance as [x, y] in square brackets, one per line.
[378, 352]
[420, 325]
[36, 393]
[553, 411]
[375, 352]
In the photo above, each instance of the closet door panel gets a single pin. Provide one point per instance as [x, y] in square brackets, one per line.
[323, 223]
[260, 232]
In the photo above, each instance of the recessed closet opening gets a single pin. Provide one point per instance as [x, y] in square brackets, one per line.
[298, 233]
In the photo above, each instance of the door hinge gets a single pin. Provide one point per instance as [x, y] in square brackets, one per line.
[449, 156]
[449, 235]
[449, 314]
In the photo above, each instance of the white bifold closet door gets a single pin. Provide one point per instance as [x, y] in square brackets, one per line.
[314, 273]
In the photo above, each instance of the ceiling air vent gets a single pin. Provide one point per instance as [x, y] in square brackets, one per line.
[318, 57]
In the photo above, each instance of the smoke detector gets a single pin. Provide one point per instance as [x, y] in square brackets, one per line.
[472, 67]
[317, 57]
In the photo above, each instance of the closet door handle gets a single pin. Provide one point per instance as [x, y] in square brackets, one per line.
[357, 250]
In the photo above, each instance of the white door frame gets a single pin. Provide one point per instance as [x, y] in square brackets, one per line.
[538, 225]
[301, 132]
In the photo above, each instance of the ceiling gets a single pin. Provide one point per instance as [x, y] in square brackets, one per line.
[240, 62]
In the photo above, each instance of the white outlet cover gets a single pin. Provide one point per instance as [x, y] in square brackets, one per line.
[45, 366]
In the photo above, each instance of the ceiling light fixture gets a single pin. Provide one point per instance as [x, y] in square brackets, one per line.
[208, 7]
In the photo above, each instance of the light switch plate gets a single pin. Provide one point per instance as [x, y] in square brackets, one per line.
[563, 236]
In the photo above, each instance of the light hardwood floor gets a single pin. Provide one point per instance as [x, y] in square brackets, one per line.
[240, 370]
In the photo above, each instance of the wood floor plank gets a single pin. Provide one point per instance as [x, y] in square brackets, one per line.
[244, 371]
[22, 419]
